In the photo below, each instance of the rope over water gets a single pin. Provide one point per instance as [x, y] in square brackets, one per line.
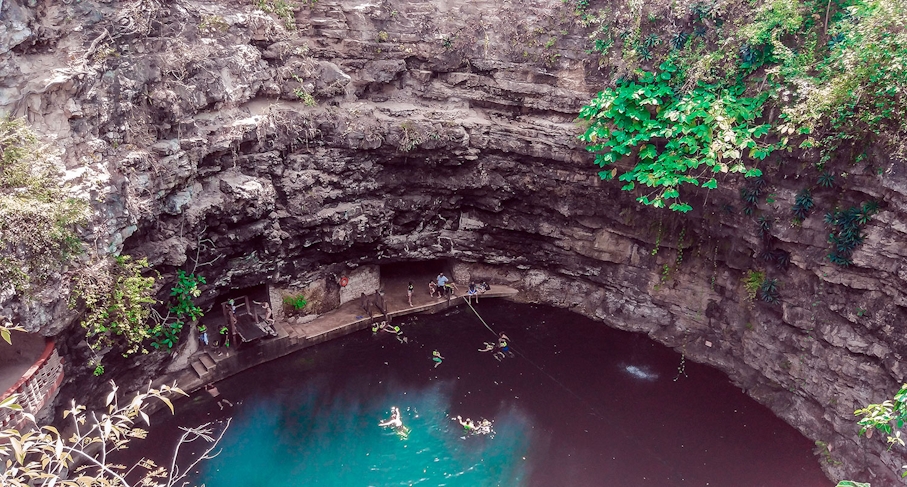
[627, 434]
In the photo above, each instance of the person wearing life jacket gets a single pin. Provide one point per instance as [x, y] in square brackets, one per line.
[225, 336]
[468, 425]
[502, 342]
[436, 356]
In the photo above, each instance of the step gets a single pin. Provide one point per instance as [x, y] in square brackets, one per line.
[199, 369]
[207, 361]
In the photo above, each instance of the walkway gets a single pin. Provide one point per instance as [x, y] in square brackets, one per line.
[211, 365]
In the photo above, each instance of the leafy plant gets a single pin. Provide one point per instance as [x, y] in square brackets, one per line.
[752, 282]
[651, 41]
[672, 138]
[847, 234]
[117, 300]
[281, 8]
[764, 226]
[679, 40]
[803, 203]
[826, 180]
[768, 291]
[296, 302]
[885, 417]
[165, 333]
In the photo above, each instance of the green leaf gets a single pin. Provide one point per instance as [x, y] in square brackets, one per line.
[710, 184]
[753, 173]
[681, 207]
[648, 152]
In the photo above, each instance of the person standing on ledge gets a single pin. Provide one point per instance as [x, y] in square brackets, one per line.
[442, 280]
[409, 293]
[432, 288]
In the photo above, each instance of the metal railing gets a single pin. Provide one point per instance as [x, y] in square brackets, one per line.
[35, 389]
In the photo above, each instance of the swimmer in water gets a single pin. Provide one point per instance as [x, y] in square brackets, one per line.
[394, 421]
[487, 347]
[467, 425]
[471, 428]
[436, 356]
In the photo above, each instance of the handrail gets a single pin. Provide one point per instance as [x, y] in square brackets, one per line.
[37, 386]
[48, 350]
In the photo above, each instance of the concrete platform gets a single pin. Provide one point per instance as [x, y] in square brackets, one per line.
[211, 365]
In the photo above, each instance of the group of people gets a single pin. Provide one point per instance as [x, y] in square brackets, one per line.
[470, 427]
[442, 286]
[389, 328]
[501, 348]
[483, 427]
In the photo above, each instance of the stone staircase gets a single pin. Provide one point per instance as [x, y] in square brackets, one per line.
[289, 339]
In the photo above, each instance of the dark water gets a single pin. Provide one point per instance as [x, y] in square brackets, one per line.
[579, 405]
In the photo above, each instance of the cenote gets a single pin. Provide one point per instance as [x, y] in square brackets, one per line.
[579, 404]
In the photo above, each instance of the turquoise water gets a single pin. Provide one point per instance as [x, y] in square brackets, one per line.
[578, 404]
[335, 441]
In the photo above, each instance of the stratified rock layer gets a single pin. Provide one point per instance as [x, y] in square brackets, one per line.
[445, 130]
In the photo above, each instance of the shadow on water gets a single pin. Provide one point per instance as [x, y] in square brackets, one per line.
[578, 405]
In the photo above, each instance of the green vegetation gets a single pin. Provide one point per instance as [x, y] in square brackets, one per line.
[821, 79]
[37, 214]
[674, 137]
[885, 417]
[165, 333]
[752, 282]
[119, 306]
[283, 9]
[213, 23]
[803, 203]
[847, 234]
[117, 301]
[296, 302]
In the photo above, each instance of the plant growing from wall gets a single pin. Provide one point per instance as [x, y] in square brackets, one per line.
[803, 203]
[165, 333]
[281, 8]
[117, 300]
[847, 231]
[752, 282]
[297, 302]
[37, 213]
[768, 291]
[670, 138]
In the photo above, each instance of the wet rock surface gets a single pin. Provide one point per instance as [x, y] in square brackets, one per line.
[405, 131]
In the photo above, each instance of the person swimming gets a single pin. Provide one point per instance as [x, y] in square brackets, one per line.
[487, 347]
[468, 425]
[471, 428]
[394, 421]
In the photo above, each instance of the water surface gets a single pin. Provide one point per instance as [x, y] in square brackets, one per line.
[579, 404]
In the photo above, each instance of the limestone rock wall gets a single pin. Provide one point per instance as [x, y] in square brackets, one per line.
[445, 130]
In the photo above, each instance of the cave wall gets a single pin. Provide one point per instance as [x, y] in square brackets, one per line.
[442, 130]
